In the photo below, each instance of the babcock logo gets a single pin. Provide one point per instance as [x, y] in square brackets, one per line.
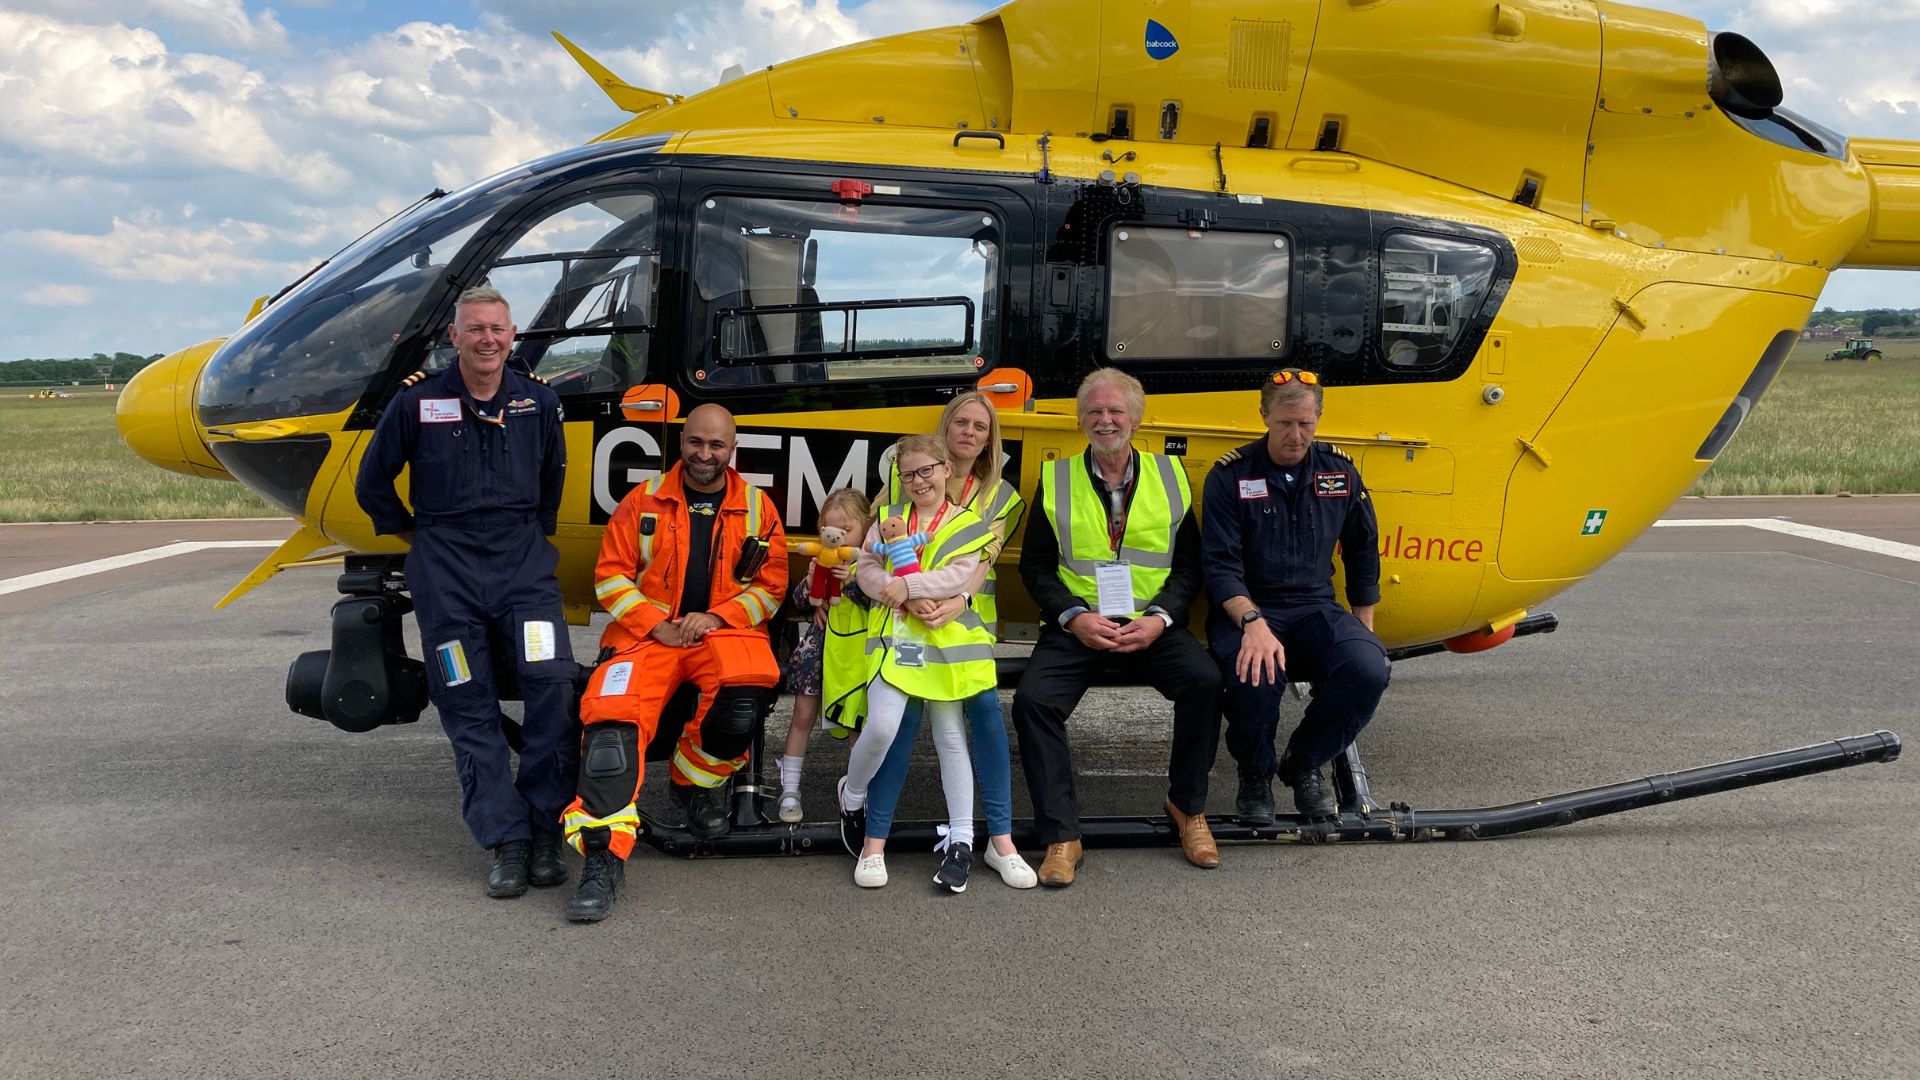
[1160, 43]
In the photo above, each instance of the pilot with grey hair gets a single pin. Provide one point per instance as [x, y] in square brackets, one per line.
[488, 460]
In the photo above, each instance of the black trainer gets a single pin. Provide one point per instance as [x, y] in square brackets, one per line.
[954, 870]
[1311, 796]
[853, 823]
[508, 878]
[1255, 804]
[706, 810]
[545, 867]
[600, 879]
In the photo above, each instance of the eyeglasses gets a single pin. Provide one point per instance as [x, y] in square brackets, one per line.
[924, 472]
[1282, 378]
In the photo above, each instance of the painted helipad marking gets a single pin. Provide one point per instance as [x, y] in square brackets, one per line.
[116, 562]
[1873, 544]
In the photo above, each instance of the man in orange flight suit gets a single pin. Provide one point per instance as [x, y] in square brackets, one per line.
[692, 566]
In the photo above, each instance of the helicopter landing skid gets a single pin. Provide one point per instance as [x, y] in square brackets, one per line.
[1361, 817]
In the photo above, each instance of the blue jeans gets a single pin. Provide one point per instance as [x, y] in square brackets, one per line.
[992, 765]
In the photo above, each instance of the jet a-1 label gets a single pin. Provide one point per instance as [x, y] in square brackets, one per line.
[798, 467]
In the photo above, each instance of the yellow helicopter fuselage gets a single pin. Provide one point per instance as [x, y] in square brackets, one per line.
[1546, 257]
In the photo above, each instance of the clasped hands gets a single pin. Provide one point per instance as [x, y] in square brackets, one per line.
[1102, 634]
[687, 630]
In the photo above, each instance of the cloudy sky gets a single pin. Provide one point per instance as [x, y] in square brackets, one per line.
[166, 161]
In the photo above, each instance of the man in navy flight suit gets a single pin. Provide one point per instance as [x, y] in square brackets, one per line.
[1271, 514]
[489, 460]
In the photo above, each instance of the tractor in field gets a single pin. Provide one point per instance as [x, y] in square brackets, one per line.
[1857, 349]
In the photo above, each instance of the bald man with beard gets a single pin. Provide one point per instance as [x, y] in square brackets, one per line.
[692, 567]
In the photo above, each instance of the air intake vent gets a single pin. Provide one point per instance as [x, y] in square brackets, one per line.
[1257, 55]
[1537, 250]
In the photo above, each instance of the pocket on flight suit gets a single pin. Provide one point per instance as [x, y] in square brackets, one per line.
[543, 650]
[459, 667]
[744, 658]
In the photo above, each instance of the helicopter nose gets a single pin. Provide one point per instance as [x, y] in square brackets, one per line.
[155, 413]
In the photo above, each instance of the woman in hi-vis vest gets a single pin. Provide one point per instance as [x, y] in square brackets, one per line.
[971, 429]
[918, 552]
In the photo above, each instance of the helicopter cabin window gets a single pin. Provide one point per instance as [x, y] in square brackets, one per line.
[806, 292]
[1175, 294]
[583, 285]
[1430, 289]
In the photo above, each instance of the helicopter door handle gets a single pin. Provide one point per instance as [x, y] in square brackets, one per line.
[999, 139]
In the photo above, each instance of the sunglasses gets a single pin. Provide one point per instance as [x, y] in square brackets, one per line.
[1282, 378]
[924, 472]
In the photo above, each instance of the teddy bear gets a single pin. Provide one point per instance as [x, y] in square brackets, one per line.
[832, 550]
[901, 548]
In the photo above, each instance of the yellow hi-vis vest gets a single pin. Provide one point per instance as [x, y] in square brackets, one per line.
[1161, 497]
[954, 662]
[1001, 502]
[846, 667]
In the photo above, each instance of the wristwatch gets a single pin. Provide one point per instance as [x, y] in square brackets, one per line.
[1251, 615]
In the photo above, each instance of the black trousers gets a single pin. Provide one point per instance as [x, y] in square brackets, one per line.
[1327, 646]
[1057, 677]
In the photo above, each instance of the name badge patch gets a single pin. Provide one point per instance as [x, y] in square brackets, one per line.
[440, 410]
[1332, 485]
[522, 405]
[1253, 489]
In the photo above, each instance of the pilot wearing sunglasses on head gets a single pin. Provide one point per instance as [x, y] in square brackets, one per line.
[1272, 512]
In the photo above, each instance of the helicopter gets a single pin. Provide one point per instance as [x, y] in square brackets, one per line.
[1545, 259]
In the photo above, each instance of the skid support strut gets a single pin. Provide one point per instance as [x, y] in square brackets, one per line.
[1361, 817]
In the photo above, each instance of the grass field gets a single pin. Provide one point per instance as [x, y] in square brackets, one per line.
[65, 462]
[1827, 427]
[1823, 428]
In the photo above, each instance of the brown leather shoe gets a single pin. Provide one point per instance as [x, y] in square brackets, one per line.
[1056, 870]
[1195, 838]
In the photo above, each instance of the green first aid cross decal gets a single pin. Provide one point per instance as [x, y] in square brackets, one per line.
[1595, 519]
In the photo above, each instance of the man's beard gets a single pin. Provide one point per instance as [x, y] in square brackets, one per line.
[704, 474]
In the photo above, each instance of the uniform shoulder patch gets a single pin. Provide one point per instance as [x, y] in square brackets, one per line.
[1228, 458]
[537, 378]
[1336, 451]
[413, 380]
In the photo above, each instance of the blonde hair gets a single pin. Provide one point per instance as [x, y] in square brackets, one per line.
[986, 467]
[1136, 395]
[1287, 393]
[932, 446]
[851, 502]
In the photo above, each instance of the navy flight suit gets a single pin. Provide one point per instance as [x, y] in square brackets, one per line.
[1272, 540]
[485, 488]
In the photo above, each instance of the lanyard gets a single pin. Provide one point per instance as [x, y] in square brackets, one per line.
[966, 492]
[1117, 531]
[913, 519]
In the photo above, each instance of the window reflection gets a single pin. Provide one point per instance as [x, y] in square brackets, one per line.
[1430, 289]
[1176, 293]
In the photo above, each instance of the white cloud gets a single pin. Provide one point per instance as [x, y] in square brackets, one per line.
[153, 251]
[221, 23]
[58, 296]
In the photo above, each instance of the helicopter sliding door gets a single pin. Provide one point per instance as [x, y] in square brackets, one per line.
[814, 299]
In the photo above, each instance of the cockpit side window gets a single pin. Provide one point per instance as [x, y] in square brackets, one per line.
[788, 291]
[1431, 287]
[583, 285]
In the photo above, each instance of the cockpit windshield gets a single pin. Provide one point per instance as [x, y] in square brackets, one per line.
[316, 349]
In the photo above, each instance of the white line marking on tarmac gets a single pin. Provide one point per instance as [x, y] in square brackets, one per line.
[116, 562]
[1873, 544]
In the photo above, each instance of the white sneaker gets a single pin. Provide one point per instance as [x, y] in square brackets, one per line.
[870, 872]
[790, 806]
[1012, 869]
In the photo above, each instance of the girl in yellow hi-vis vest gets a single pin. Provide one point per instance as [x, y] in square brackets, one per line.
[924, 653]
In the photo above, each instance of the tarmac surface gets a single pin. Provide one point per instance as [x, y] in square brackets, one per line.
[200, 884]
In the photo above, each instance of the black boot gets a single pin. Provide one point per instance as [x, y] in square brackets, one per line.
[509, 876]
[1255, 804]
[545, 868]
[1311, 797]
[706, 810]
[600, 879]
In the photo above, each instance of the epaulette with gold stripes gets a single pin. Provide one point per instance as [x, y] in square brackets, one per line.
[538, 379]
[1228, 458]
[413, 379]
[1337, 451]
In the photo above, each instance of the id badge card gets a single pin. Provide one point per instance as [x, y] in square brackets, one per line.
[1113, 586]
